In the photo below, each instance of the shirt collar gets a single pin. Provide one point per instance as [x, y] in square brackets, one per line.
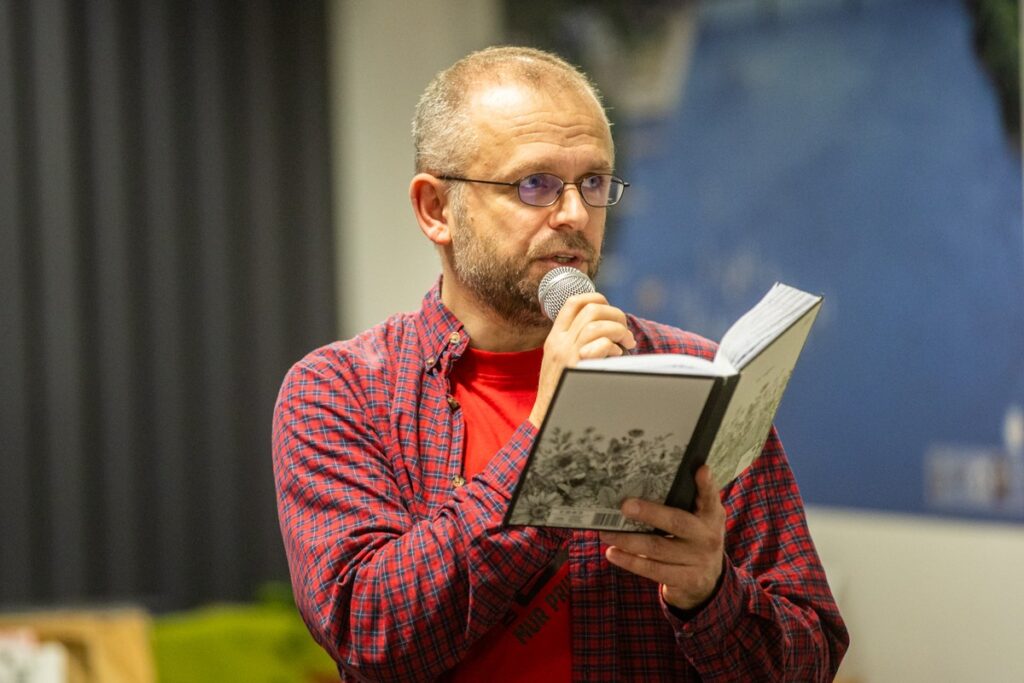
[444, 336]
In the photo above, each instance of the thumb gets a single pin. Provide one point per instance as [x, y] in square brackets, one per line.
[707, 491]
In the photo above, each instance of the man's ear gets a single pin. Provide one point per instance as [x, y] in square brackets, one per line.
[430, 204]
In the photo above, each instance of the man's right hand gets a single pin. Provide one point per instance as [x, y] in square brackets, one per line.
[586, 327]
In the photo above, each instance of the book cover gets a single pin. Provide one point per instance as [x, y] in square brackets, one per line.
[641, 425]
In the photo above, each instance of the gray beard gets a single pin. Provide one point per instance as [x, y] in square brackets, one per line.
[504, 285]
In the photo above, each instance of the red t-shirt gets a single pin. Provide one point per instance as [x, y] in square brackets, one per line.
[533, 641]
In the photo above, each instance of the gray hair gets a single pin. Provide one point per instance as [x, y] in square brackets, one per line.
[442, 133]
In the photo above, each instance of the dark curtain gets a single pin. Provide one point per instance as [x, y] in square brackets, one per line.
[165, 254]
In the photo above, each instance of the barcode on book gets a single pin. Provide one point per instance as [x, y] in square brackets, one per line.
[606, 520]
[587, 518]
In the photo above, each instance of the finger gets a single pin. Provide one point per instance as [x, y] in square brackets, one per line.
[648, 568]
[605, 338]
[573, 306]
[651, 546]
[685, 550]
[709, 500]
[594, 307]
[600, 348]
[670, 520]
[595, 329]
[598, 320]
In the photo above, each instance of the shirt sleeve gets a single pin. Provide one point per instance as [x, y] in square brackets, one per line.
[390, 594]
[773, 617]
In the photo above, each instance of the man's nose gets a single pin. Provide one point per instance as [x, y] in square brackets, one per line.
[570, 210]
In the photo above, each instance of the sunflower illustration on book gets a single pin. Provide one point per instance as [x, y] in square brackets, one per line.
[591, 470]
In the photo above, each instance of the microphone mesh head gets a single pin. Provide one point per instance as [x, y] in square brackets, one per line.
[560, 284]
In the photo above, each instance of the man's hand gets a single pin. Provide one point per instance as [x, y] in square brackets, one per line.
[586, 327]
[688, 563]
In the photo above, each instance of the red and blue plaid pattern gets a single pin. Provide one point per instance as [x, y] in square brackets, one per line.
[397, 571]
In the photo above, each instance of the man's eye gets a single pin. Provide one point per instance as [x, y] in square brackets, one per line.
[594, 182]
[537, 181]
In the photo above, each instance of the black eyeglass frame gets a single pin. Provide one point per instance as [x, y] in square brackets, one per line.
[578, 183]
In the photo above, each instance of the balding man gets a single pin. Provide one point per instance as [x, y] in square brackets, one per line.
[396, 452]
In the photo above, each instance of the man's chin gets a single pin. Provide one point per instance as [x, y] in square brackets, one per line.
[524, 317]
[510, 297]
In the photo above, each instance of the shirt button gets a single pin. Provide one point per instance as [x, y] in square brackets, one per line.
[430, 363]
[455, 338]
[452, 403]
[458, 481]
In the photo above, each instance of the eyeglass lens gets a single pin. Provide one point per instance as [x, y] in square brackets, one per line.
[543, 189]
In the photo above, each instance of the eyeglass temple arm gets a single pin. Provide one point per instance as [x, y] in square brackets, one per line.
[473, 180]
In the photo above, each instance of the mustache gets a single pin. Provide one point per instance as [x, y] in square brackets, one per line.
[572, 241]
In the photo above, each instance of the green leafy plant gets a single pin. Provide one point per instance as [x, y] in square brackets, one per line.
[262, 642]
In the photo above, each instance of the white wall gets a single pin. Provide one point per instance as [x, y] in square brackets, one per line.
[926, 601]
[383, 53]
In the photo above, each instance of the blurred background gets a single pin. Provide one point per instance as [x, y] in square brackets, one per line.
[195, 194]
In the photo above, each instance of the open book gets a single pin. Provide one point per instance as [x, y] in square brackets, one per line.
[642, 425]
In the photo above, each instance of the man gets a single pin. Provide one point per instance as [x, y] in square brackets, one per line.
[396, 452]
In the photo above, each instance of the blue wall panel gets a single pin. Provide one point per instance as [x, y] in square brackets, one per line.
[855, 150]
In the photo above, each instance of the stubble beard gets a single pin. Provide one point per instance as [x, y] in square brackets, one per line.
[505, 285]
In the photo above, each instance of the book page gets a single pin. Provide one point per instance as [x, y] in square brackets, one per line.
[608, 436]
[665, 363]
[776, 311]
[749, 416]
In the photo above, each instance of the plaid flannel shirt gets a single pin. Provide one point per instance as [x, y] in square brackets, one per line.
[396, 570]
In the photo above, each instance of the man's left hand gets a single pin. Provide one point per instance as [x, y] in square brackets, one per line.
[688, 562]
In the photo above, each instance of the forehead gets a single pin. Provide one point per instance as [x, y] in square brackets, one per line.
[523, 127]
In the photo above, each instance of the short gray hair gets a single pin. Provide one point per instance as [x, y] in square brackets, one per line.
[442, 133]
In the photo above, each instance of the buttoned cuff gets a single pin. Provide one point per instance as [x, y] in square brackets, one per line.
[710, 622]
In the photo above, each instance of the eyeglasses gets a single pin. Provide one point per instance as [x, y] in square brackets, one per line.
[543, 189]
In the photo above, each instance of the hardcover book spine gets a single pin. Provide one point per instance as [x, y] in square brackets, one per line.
[683, 493]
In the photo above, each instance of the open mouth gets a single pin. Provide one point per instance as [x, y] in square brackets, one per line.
[575, 260]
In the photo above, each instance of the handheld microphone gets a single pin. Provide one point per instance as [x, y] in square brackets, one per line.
[561, 283]
[558, 285]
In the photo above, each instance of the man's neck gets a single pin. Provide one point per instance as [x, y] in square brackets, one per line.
[488, 331]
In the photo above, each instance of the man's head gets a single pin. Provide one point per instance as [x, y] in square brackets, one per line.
[445, 139]
[500, 115]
